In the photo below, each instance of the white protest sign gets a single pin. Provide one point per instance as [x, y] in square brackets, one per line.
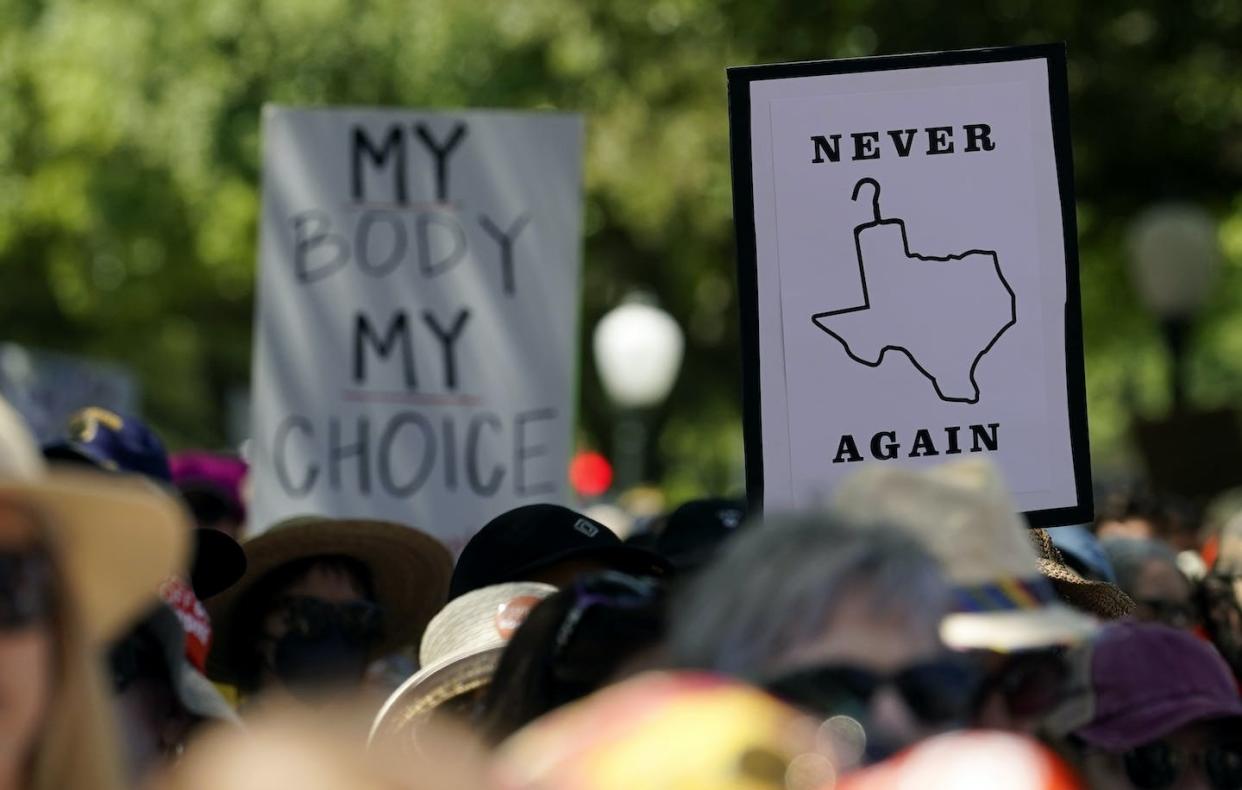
[416, 339]
[909, 275]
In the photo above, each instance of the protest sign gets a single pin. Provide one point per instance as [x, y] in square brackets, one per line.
[908, 272]
[416, 341]
[47, 388]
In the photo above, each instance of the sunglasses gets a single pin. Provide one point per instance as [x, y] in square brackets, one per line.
[26, 588]
[937, 692]
[1031, 684]
[313, 618]
[1160, 764]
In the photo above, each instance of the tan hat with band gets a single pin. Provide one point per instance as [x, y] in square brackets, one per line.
[964, 516]
[409, 572]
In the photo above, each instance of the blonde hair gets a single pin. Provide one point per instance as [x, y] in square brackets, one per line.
[76, 748]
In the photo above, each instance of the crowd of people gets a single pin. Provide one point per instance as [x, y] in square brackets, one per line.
[914, 631]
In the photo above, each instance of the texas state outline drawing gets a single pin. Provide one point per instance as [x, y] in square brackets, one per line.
[944, 313]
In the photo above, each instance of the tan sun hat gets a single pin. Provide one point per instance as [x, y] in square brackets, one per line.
[1103, 599]
[409, 572]
[116, 538]
[460, 652]
[963, 514]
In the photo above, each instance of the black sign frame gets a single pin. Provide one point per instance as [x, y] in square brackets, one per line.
[740, 79]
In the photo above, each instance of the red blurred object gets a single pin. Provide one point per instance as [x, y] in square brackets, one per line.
[969, 761]
[194, 619]
[590, 474]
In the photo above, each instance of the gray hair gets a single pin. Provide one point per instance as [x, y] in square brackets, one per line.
[1129, 555]
[778, 585]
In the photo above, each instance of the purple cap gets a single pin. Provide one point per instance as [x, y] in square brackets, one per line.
[1148, 681]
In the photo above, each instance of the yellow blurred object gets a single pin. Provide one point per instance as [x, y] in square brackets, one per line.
[685, 730]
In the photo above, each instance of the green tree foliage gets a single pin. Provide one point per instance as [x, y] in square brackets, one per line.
[129, 166]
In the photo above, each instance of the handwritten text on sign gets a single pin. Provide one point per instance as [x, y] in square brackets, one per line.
[433, 261]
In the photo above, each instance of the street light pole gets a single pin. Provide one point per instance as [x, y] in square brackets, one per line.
[638, 352]
[1174, 255]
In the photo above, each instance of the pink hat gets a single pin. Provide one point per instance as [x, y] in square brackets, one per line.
[1142, 682]
[222, 473]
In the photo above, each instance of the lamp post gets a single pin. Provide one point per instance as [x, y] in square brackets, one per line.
[638, 351]
[1174, 255]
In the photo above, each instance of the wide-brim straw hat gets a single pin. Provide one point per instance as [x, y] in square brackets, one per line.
[460, 652]
[409, 572]
[115, 538]
[963, 514]
[1103, 599]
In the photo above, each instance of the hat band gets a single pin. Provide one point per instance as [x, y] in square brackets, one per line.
[1005, 595]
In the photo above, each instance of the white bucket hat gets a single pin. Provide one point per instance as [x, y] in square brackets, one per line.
[115, 538]
[460, 651]
[964, 516]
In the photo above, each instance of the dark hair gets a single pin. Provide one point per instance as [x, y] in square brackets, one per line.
[209, 505]
[572, 644]
[260, 600]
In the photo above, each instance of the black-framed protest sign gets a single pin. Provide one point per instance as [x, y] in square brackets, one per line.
[908, 273]
[417, 318]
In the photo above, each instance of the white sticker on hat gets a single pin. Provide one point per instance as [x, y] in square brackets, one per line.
[586, 528]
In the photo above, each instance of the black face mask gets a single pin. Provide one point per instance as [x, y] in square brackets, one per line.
[327, 646]
[307, 665]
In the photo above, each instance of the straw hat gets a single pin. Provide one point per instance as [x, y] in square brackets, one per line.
[116, 538]
[1103, 599]
[964, 516]
[409, 575]
[460, 652]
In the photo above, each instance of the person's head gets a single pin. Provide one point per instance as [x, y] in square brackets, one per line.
[311, 624]
[320, 600]
[1130, 511]
[1007, 609]
[80, 555]
[1147, 570]
[545, 543]
[160, 699]
[799, 601]
[211, 484]
[1158, 709]
[600, 628]
[1220, 596]
[696, 531]
[458, 657]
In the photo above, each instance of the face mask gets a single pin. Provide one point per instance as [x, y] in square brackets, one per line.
[327, 645]
[309, 664]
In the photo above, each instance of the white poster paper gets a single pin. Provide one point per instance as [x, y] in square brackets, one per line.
[913, 271]
[416, 342]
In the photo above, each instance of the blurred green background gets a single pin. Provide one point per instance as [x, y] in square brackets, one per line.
[129, 169]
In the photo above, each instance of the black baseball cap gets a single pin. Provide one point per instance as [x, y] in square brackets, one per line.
[532, 538]
[695, 531]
